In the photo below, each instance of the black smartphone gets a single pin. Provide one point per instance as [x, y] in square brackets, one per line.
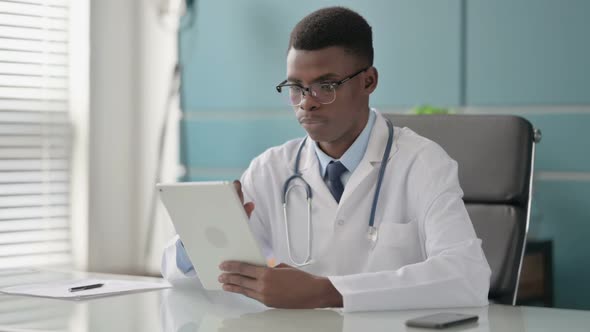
[441, 320]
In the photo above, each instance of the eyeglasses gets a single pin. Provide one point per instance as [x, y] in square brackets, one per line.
[323, 92]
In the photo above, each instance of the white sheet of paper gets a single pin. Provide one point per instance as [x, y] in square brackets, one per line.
[60, 289]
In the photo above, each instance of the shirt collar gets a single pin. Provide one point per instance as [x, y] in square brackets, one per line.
[354, 154]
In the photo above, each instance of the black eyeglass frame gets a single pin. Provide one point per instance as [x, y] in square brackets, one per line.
[306, 90]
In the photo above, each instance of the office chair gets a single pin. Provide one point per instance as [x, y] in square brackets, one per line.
[496, 156]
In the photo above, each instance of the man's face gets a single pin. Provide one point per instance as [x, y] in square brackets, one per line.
[342, 120]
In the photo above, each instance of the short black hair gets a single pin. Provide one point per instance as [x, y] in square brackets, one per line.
[334, 26]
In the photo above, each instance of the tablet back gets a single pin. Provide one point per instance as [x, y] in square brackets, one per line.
[212, 224]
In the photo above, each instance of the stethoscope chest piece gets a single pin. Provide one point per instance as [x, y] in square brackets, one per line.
[372, 235]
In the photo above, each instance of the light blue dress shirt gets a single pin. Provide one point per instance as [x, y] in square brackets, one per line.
[182, 261]
[353, 156]
[350, 159]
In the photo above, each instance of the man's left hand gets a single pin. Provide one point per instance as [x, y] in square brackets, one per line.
[280, 287]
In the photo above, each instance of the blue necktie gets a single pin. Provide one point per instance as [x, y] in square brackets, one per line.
[334, 172]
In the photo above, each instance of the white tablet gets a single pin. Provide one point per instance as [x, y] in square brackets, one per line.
[213, 226]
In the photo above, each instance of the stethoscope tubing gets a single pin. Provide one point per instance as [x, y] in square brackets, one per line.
[372, 233]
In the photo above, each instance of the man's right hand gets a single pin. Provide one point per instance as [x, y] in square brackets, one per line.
[248, 207]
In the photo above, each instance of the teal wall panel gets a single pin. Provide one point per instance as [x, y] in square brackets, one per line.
[233, 142]
[234, 52]
[565, 146]
[561, 213]
[528, 52]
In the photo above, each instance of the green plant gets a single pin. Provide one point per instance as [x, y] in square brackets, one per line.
[427, 109]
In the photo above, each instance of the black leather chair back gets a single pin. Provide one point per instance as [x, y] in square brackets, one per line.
[495, 154]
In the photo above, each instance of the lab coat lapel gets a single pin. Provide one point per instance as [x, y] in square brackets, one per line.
[372, 158]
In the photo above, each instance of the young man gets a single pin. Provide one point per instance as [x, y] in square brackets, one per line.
[421, 252]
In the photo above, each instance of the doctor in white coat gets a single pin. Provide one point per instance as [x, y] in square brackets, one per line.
[418, 250]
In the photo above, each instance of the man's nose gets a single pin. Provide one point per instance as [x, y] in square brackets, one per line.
[308, 102]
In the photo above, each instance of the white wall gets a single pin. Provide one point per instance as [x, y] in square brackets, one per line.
[79, 112]
[157, 60]
[131, 58]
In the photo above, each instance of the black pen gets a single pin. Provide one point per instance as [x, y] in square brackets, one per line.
[85, 287]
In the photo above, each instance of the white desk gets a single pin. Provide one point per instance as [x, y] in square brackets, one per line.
[184, 311]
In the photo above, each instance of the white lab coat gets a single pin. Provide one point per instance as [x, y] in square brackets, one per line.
[427, 254]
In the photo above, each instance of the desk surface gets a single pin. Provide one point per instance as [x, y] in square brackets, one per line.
[186, 310]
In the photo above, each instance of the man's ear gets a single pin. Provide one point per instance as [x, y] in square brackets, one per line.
[371, 80]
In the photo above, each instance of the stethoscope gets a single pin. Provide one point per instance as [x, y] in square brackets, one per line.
[372, 233]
